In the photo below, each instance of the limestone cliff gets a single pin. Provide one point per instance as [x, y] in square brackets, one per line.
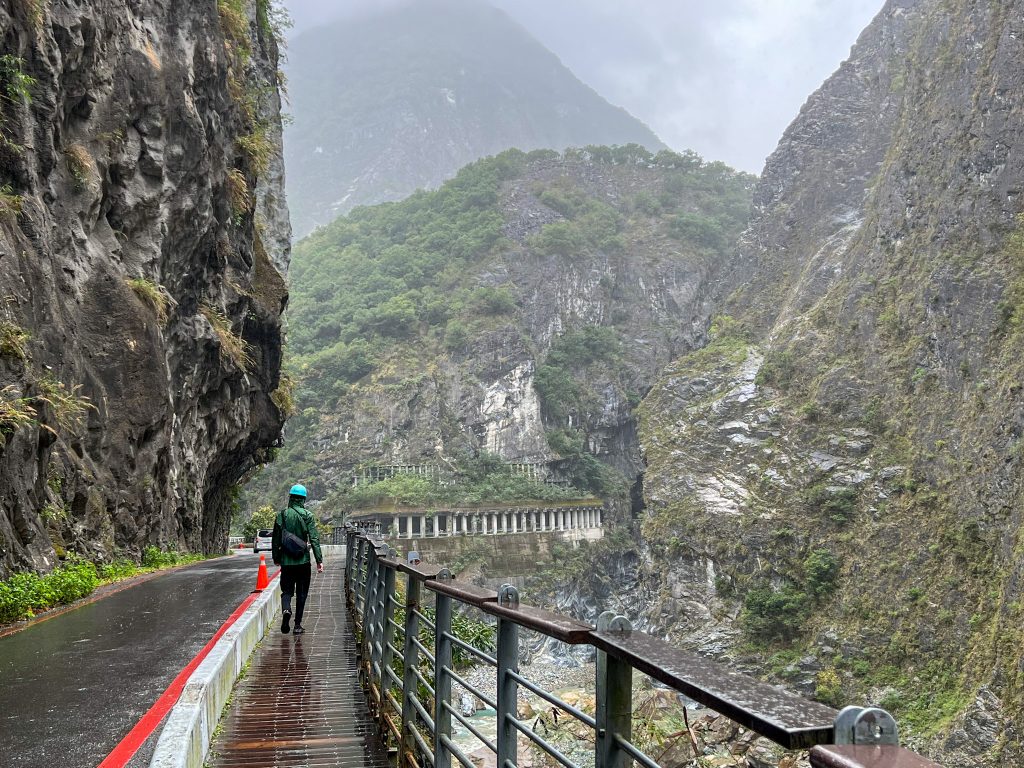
[838, 473]
[143, 241]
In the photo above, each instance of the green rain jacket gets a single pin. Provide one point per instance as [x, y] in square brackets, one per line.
[299, 521]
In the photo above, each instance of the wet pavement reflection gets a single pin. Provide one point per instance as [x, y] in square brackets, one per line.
[74, 685]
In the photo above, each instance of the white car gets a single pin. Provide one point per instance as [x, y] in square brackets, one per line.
[264, 540]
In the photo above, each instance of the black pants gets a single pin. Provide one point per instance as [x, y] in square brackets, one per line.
[295, 581]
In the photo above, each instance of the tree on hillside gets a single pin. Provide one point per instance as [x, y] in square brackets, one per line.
[261, 518]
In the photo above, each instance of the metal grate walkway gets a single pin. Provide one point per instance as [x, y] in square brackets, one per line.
[300, 703]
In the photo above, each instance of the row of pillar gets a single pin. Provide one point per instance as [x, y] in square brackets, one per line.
[496, 521]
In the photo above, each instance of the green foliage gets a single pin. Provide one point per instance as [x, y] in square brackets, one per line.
[559, 380]
[239, 195]
[25, 594]
[13, 339]
[273, 20]
[380, 272]
[780, 614]
[235, 26]
[770, 614]
[839, 503]
[695, 228]
[154, 557]
[261, 518]
[828, 687]
[15, 85]
[10, 202]
[117, 570]
[777, 370]
[589, 224]
[821, 571]
[153, 295]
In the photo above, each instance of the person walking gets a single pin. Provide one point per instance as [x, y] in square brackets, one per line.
[295, 532]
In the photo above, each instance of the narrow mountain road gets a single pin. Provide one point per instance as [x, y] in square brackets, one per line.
[73, 686]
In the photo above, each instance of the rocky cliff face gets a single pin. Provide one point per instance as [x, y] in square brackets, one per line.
[838, 473]
[428, 87]
[143, 241]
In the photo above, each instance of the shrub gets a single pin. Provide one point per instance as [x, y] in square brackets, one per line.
[15, 85]
[828, 687]
[154, 557]
[152, 294]
[774, 615]
[821, 571]
[559, 238]
[25, 594]
[117, 570]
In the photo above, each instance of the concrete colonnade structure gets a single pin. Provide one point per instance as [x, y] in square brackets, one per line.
[491, 522]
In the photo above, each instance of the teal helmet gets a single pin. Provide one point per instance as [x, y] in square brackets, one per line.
[298, 490]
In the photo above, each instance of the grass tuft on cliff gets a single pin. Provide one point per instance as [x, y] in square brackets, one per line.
[232, 346]
[152, 295]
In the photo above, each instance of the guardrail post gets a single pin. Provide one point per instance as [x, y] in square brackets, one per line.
[350, 537]
[387, 640]
[411, 657]
[508, 661]
[368, 604]
[442, 676]
[614, 699]
[377, 635]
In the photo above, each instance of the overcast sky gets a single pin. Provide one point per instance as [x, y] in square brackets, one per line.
[722, 77]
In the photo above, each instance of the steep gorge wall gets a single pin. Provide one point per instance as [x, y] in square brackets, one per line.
[141, 142]
[839, 471]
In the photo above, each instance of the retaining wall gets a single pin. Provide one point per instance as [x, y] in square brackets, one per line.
[186, 735]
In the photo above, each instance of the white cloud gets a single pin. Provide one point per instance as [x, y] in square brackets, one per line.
[723, 78]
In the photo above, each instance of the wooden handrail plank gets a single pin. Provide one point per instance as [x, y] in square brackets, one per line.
[783, 717]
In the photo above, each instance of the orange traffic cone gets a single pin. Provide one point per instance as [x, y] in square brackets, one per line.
[262, 579]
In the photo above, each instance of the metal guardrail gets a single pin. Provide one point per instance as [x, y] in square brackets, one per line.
[409, 683]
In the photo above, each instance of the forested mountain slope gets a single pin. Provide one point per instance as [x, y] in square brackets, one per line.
[522, 310]
[399, 99]
[834, 483]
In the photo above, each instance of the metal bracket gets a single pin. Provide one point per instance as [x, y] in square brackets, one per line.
[610, 621]
[444, 575]
[508, 596]
[866, 726]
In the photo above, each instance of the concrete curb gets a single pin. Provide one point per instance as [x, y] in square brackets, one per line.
[188, 731]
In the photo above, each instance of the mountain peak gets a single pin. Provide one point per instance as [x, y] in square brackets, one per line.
[400, 99]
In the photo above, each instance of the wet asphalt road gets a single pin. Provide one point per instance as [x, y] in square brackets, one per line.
[73, 686]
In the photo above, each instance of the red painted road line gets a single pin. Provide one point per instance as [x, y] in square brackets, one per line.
[143, 729]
